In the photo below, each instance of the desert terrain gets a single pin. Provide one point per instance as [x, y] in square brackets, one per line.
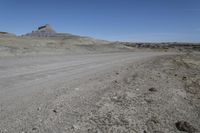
[62, 83]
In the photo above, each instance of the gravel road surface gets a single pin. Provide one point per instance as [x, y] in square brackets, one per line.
[33, 88]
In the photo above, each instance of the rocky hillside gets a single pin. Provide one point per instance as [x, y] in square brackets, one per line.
[46, 31]
[45, 40]
[6, 34]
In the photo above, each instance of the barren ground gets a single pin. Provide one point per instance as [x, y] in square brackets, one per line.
[138, 92]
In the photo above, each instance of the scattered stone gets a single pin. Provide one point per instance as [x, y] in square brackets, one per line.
[149, 101]
[75, 127]
[152, 89]
[184, 78]
[185, 126]
[175, 75]
[192, 89]
[152, 124]
[55, 111]
[38, 109]
[116, 81]
[115, 98]
[34, 128]
[155, 120]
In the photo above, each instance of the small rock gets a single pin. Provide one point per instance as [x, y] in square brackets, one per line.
[75, 127]
[115, 98]
[175, 75]
[38, 109]
[34, 128]
[117, 73]
[55, 111]
[152, 124]
[184, 78]
[149, 101]
[185, 126]
[152, 89]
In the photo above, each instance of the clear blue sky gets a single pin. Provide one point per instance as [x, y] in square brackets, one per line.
[126, 20]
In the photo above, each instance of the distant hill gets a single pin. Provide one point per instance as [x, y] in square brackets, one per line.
[45, 40]
[46, 31]
[4, 34]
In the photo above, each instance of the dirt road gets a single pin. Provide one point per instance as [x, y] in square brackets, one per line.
[32, 88]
